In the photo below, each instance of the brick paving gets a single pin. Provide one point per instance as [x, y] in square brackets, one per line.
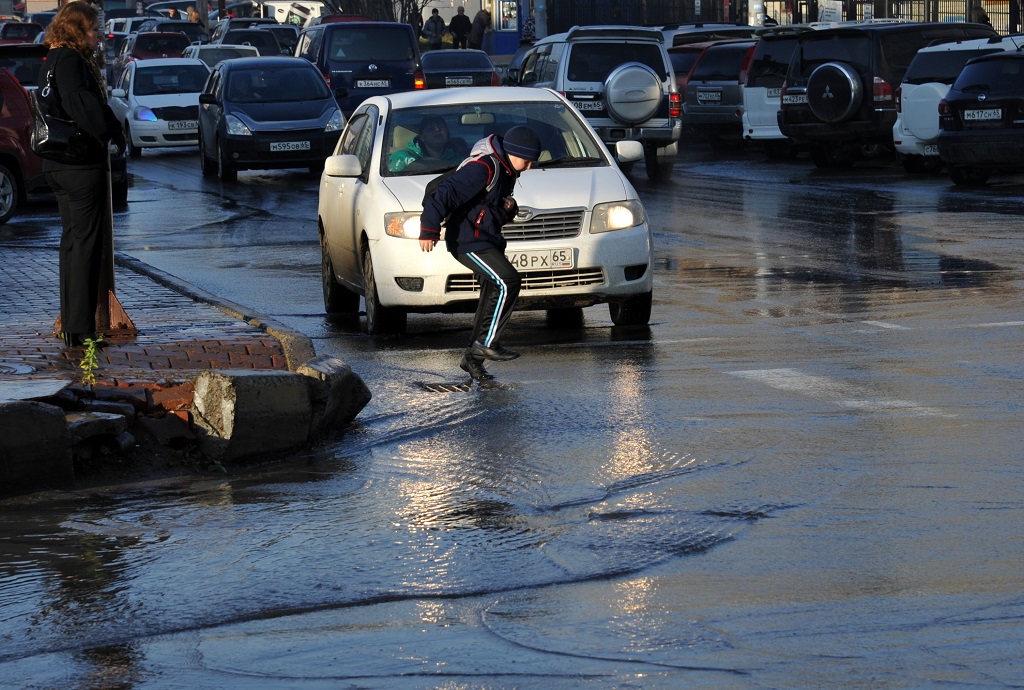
[177, 336]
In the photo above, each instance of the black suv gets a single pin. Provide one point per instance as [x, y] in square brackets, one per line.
[981, 130]
[619, 78]
[839, 94]
[363, 59]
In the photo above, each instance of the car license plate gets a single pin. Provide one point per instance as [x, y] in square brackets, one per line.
[709, 96]
[775, 93]
[182, 124]
[589, 105]
[533, 259]
[373, 83]
[931, 149]
[795, 99]
[989, 114]
[289, 146]
[458, 81]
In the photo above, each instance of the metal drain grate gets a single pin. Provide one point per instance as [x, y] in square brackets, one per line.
[12, 368]
[461, 387]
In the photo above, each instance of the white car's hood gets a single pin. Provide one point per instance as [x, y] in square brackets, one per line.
[537, 189]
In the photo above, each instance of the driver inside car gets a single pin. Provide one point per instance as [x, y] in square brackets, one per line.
[432, 141]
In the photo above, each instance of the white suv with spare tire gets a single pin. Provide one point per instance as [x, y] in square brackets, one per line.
[620, 78]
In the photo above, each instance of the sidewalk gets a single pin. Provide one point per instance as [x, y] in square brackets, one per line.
[178, 336]
[138, 419]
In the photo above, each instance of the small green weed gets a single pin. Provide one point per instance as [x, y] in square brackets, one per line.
[90, 360]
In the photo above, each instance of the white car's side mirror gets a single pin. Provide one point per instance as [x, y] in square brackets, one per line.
[628, 151]
[344, 165]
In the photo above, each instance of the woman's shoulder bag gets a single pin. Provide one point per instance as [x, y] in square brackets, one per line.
[55, 136]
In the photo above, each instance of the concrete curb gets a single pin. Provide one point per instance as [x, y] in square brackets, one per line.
[298, 349]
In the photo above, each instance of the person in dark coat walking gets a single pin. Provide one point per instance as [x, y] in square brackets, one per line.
[481, 22]
[459, 27]
[477, 202]
[83, 188]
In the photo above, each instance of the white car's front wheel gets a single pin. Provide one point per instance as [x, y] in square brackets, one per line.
[133, 150]
[380, 320]
[631, 311]
[337, 299]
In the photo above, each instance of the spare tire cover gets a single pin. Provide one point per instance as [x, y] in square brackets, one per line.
[834, 92]
[632, 93]
[920, 114]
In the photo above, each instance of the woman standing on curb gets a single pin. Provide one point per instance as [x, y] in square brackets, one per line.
[82, 188]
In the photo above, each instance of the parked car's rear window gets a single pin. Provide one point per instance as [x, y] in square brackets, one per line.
[720, 63]
[853, 49]
[682, 62]
[941, 66]
[595, 61]
[385, 43]
[162, 43]
[991, 75]
[455, 59]
[769, 63]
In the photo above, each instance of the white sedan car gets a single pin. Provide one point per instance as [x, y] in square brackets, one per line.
[581, 236]
[157, 102]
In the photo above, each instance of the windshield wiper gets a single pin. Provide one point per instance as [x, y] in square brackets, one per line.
[568, 162]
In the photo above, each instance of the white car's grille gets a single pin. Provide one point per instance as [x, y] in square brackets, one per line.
[546, 226]
[177, 112]
[534, 280]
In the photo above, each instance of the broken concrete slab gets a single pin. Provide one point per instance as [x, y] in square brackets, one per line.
[35, 447]
[246, 412]
[337, 394]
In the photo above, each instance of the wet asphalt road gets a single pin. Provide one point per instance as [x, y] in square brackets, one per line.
[805, 473]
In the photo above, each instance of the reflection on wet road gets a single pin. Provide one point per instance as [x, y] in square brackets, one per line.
[805, 473]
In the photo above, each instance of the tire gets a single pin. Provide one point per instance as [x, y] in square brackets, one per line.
[565, 317]
[657, 171]
[119, 193]
[633, 93]
[964, 176]
[9, 193]
[206, 164]
[832, 155]
[226, 171]
[921, 165]
[380, 320]
[834, 92]
[631, 311]
[337, 298]
[133, 151]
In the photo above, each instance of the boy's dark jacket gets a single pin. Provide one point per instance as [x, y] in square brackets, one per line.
[478, 227]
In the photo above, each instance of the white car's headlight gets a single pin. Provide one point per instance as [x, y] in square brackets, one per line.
[143, 114]
[617, 215]
[404, 224]
[236, 127]
[336, 123]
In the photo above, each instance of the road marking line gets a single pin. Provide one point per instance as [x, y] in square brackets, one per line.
[883, 324]
[835, 392]
[998, 324]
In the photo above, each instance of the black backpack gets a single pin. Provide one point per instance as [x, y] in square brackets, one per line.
[436, 182]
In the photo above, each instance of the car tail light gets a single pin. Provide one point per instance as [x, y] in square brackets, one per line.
[882, 91]
[327, 78]
[944, 109]
[899, 99]
[419, 81]
[495, 80]
[782, 95]
[675, 105]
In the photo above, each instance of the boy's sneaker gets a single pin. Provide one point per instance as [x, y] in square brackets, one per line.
[475, 368]
[496, 353]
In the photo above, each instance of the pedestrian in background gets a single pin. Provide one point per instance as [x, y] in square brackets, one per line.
[459, 27]
[477, 202]
[82, 188]
[481, 22]
[434, 30]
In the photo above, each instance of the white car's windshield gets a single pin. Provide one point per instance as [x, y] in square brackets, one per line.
[150, 81]
[451, 131]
